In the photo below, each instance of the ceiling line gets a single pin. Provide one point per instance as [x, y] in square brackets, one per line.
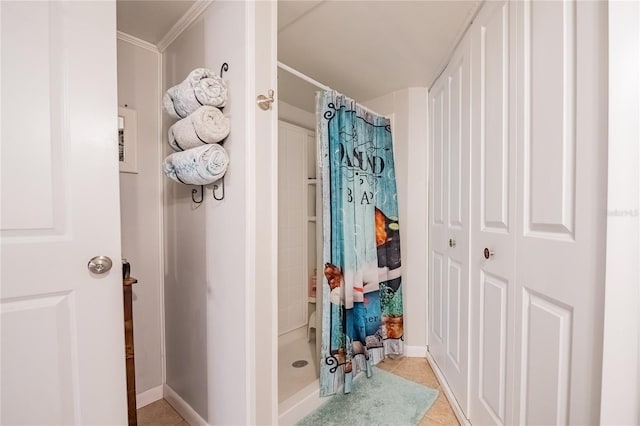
[305, 13]
[458, 41]
[183, 23]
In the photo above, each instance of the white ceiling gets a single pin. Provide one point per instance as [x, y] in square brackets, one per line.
[363, 49]
[366, 49]
[150, 20]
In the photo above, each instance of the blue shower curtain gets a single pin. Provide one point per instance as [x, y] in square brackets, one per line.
[362, 314]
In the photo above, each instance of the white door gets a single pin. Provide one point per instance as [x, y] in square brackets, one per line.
[449, 223]
[62, 326]
[561, 211]
[493, 224]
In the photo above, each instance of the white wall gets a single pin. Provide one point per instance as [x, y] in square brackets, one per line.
[621, 356]
[297, 116]
[408, 109]
[141, 210]
[206, 298]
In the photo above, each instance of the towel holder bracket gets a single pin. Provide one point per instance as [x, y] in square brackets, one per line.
[218, 186]
[217, 192]
[194, 191]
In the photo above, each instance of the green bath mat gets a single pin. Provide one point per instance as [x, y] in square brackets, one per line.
[383, 399]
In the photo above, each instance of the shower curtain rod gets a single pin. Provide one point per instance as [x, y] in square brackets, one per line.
[303, 76]
[317, 84]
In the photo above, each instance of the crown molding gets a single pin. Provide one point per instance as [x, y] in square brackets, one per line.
[137, 42]
[183, 23]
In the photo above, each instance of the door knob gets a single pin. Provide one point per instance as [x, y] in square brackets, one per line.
[488, 253]
[452, 242]
[99, 264]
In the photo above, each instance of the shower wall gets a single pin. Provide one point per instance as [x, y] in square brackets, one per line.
[296, 224]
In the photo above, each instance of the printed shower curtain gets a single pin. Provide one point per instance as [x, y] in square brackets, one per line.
[362, 315]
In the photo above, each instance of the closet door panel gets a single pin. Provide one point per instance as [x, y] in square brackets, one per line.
[492, 212]
[561, 211]
[549, 125]
[547, 324]
[454, 89]
[455, 310]
[438, 227]
[438, 160]
[449, 227]
[436, 306]
[493, 341]
[494, 62]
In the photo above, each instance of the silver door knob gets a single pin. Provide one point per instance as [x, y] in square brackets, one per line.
[488, 253]
[452, 242]
[99, 264]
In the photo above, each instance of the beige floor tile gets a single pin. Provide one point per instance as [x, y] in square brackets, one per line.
[158, 413]
[441, 412]
[417, 370]
[386, 366]
[426, 421]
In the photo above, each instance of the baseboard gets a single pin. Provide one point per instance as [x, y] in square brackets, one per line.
[184, 409]
[455, 405]
[149, 396]
[299, 405]
[415, 351]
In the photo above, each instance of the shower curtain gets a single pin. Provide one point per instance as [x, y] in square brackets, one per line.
[362, 315]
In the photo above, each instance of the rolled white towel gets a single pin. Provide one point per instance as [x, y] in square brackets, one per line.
[205, 125]
[201, 87]
[197, 166]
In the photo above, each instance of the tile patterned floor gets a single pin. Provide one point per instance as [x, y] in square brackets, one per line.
[160, 413]
[418, 370]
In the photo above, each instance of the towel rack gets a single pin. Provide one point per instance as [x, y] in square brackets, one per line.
[218, 186]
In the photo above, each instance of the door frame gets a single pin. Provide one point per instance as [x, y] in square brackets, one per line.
[262, 215]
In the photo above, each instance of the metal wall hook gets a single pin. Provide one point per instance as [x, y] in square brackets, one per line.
[223, 68]
[194, 191]
[217, 186]
[265, 102]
